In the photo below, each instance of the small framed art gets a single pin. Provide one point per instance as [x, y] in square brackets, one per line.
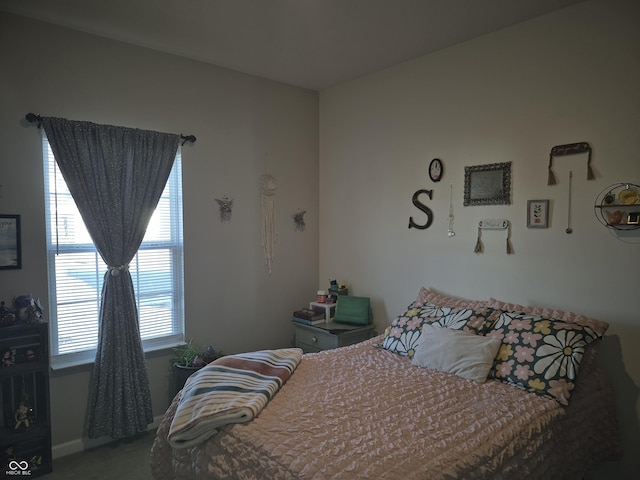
[538, 213]
[10, 245]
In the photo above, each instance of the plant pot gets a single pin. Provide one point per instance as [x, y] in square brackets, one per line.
[180, 373]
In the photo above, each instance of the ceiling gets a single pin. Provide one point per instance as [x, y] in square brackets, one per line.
[313, 44]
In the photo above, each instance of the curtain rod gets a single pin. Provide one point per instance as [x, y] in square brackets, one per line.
[33, 118]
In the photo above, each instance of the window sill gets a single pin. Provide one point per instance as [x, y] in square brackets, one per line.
[88, 357]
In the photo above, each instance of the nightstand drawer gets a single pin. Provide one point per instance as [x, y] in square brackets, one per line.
[315, 338]
[308, 348]
[325, 336]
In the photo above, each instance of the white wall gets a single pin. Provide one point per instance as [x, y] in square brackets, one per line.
[244, 125]
[567, 77]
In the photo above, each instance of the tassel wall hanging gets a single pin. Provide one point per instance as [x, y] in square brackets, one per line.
[500, 224]
[570, 149]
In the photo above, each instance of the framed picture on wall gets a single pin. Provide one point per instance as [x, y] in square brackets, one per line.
[538, 213]
[10, 244]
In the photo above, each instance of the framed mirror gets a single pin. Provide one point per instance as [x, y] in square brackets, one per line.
[487, 184]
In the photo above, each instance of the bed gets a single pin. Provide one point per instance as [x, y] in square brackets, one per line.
[371, 411]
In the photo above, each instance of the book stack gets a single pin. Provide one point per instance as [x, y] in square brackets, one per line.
[308, 316]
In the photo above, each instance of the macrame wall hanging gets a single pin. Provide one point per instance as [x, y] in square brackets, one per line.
[500, 224]
[226, 206]
[298, 220]
[269, 233]
[570, 149]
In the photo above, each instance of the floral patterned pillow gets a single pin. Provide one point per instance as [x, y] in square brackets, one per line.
[540, 354]
[598, 326]
[406, 329]
[431, 296]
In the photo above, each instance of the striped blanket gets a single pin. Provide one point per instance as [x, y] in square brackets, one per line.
[232, 389]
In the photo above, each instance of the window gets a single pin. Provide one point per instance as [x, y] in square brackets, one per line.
[76, 272]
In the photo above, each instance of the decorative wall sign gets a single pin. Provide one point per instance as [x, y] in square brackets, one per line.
[538, 213]
[499, 224]
[487, 184]
[226, 206]
[493, 224]
[10, 242]
[570, 149]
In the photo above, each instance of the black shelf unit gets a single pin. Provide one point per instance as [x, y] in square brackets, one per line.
[25, 420]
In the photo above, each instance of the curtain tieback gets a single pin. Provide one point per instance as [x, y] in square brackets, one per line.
[115, 271]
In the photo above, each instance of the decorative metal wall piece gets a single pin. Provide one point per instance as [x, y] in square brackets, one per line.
[298, 219]
[226, 206]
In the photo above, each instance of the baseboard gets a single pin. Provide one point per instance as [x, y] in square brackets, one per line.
[81, 444]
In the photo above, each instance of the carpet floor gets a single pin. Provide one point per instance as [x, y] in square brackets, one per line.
[120, 460]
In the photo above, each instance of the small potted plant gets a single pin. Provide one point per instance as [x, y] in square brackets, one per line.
[188, 358]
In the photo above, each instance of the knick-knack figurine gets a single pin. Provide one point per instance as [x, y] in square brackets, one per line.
[22, 416]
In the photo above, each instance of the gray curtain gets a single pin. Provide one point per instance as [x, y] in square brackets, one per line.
[116, 176]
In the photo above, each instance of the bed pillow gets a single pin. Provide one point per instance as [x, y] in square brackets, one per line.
[540, 354]
[455, 351]
[598, 326]
[402, 335]
[406, 329]
[427, 295]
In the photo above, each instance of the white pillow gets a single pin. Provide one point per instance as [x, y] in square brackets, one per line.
[454, 351]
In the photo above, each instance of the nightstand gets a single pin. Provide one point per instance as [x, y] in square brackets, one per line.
[325, 336]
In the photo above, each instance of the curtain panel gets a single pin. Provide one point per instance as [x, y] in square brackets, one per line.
[116, 176]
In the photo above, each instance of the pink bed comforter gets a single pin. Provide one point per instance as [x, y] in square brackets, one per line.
[361, 412]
